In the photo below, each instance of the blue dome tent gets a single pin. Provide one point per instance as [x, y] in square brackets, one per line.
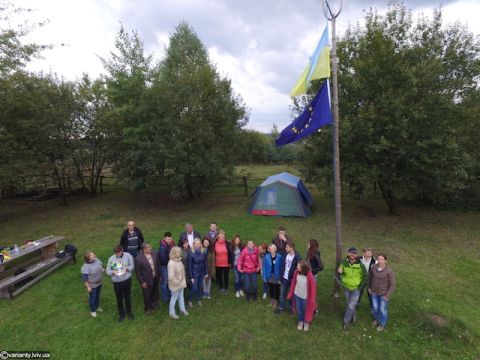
[281, 195]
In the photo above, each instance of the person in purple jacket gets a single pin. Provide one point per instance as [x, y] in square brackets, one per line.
[197, 265]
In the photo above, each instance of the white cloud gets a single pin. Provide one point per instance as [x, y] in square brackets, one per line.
[262, 46]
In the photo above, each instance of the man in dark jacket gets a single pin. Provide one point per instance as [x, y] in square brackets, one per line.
[189, 234]
[289, 265]
[147, 272]
[212, 233]
[131, 239]
[368, 261]
[163, 256]
[281, 240]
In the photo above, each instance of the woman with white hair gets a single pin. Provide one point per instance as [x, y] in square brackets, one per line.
[176, 282]
[271, 273]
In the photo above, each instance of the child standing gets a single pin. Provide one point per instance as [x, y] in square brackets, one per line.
[303, 292]
[262, 251]
[237, 250]
[271, 269]
[176, 282]
[249, 265]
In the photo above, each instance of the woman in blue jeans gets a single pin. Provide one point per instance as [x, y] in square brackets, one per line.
[92, 274]
[237, 250]
[197, 268]
[381, 284]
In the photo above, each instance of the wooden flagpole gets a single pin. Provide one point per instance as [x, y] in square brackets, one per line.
[331, 16]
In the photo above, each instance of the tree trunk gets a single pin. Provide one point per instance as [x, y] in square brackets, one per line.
[389, 198]
[79, 172]
[57, 178]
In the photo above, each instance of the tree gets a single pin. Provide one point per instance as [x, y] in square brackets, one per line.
[251, 147]
[401, 89]
[201, 117]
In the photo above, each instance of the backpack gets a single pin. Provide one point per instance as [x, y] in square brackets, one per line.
[70, 249]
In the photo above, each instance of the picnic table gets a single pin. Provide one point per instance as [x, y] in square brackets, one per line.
[33, 262]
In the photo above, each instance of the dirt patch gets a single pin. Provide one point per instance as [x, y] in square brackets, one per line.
[438, 320]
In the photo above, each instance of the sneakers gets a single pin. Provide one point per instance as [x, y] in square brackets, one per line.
[242, 293]
[93, 313]
[375, 323]
[200, 303]
[306, 326]
[345, 327]
[99, 309]
[264, 296]
[185, 313]
[237, 294]
[380, 328]
[208, 296]
[190, 305]
[278, 311]
[174, 316]
[300, 325]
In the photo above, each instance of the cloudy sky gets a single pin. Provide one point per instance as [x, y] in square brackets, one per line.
[261, 45]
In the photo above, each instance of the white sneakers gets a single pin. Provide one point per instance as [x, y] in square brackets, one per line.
[264, 296]
[185, 312]
[93, 313]
[303, 325]
[237, 294]
[241, 293]
[174, 316]
[300, 325]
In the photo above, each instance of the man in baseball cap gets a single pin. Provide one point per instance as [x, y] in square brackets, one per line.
[353, 277]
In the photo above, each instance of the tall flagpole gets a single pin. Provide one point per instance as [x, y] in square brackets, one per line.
[331, 16]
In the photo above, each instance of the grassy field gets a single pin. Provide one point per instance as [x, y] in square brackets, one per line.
[434, 312]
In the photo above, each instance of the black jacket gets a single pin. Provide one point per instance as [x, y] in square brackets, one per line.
[184, 236]
[124, 239]
[295, 261]
[315, 263]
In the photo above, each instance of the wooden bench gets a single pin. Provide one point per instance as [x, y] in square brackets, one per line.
[43, 262]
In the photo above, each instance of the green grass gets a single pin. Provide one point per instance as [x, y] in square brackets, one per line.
[433, 313]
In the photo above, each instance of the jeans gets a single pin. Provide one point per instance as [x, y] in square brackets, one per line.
[265, 287]
[94, 298]
[196, 288]
[164, 283]
[122, 293]
[176, 295]
[238, 279]
[380, 309]
[133, 252]
[250, 284]
[352, 297]
[369, 297]
[284, 289]
[207, 284]
[301, 305]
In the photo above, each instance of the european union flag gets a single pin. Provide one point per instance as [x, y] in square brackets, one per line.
[316, 115]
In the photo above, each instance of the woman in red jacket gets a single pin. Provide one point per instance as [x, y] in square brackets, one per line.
[303, 291]
[248, 264]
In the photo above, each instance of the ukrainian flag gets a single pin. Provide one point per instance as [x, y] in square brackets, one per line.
[318, 66]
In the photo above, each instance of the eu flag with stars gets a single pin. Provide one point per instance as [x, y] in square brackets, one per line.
[316, 115]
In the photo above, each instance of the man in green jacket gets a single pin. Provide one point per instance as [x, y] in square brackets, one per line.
[353, 277]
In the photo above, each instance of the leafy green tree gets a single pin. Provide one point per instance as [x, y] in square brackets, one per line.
[401, 89]
[251, 147]
[201, 117]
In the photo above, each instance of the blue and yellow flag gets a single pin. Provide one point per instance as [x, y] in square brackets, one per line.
[317, 68]
[316, 115]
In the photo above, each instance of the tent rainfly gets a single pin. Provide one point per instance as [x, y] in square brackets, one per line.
[281, 195]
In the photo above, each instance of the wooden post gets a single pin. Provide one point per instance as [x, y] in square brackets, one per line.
[245, 185]
[336, 157]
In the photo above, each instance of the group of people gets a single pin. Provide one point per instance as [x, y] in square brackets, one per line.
[183, 272]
